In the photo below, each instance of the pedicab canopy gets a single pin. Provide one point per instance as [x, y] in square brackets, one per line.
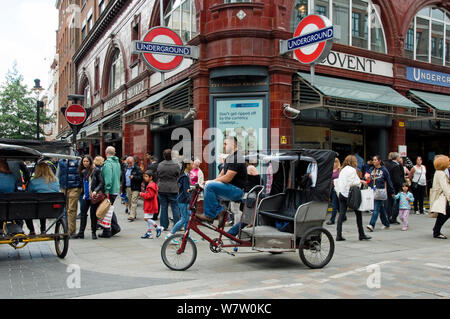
[55, 147]
[292, 171]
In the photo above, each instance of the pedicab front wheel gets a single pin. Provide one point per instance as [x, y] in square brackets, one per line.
[174, 257]
[316, 248]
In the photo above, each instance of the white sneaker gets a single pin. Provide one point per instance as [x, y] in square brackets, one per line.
[417, 212]
[385, 227]
[370, 227]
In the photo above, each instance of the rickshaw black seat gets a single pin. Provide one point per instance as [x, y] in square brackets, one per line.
[24, 205]
[288, 205]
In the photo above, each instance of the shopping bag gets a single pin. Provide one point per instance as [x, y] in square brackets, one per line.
[367, 200]
[103, 208]
[106, 221]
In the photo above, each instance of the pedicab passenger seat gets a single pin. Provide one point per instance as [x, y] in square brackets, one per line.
[282, 206]
[23, 205]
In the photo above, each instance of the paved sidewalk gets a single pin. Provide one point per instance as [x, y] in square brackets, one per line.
[411, 264]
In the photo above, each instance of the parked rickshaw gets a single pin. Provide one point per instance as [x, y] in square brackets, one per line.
[18, 206]
[290, 217]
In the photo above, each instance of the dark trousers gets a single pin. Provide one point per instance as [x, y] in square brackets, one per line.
[30, 225]
[392, 208]
[115, 228]
[342, 212]
[85, 205]
[440, 221]
[419, 195]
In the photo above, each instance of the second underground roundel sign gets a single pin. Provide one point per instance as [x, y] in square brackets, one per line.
[314, 36]
[163, 62]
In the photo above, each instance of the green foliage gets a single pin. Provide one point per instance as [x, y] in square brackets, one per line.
[18, 109]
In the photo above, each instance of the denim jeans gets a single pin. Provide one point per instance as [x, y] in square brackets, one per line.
[185, 214]
[334, 205]
[165, 199]
[379, 209]
[216, 191]
[234, 231]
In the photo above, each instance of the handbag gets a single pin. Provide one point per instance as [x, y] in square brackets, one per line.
[98, 198]
[103, 208]
[354, 197]
[380, 193]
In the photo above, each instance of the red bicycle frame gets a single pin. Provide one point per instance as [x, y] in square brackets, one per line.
[194, 224]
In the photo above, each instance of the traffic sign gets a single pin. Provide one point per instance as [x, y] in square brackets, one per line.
[163, 50]
[312, 39]
[75, 114]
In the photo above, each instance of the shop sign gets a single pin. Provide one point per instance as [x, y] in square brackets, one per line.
[135, 90]
[402, 150]
[113, 102]
[357, 63]
[428, 76]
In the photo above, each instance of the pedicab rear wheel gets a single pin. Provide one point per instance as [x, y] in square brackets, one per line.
[316, 248]
[175, 260]
[61, 238]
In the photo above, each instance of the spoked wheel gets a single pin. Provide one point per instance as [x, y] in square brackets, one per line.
[173, 258]
[316, 248]
[61, 238]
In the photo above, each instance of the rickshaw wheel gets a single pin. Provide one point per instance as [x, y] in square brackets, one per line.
[316, 248]
[61, 240]
[171, 256]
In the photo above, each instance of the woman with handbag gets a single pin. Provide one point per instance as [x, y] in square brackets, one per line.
[348, 177]
[440, 195]
[380, 181]
[93, 192]
[418, 177]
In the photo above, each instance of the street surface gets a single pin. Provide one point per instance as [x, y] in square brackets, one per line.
[394, 264]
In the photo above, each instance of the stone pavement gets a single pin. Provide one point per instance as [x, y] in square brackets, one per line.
[394, 264]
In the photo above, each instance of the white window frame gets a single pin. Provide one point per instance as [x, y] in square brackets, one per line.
[191, 13]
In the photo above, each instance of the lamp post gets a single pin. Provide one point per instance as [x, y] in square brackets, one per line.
[37, 89]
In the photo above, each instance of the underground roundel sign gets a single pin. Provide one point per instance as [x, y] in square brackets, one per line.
[312, 40]
[76, 114]
[168, 48]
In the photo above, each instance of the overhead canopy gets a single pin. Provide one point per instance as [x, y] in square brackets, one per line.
[439, 104]
[94, 128]
[350, 95]
[175, 99]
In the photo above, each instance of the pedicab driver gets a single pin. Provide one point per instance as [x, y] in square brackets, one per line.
[228, 185]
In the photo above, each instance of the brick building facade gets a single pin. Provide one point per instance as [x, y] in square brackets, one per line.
[378, 45]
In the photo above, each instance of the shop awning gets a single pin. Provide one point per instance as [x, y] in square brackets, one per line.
[94, 128]
[351, 96]
[439, 104]
[175, 99]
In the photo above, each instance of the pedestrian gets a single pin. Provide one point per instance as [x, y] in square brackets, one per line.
[397, 176]
[93, 183]
[167, 174]
[150, 197]
[439, 200]
[123, 194]
[111, 172]
[380, 180]
[21, 172]
[333, 196]
[183, 199]
[43, 181]
[8, 183]
[348, 177]
[418, 177]
[153, 166]
[196, 175]
[70, 183]
[404, 197]
[131, 183]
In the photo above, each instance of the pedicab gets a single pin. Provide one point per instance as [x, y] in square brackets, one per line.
[288, 219]
[19, 206]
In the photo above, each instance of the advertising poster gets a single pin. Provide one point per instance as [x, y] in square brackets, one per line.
[240, 118]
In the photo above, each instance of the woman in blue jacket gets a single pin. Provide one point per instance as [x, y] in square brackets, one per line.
[7, 179]
[44, 181]
[379, 179]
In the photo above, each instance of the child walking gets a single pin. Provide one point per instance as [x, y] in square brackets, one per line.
[150, 197]
[405, 198]
[183, 199]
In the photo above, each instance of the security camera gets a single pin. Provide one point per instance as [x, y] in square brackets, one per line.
[191, 114]
[288, 109]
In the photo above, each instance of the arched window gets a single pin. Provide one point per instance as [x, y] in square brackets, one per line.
[356, 22]
[116, 72]
[428, 36]
[180, 17]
